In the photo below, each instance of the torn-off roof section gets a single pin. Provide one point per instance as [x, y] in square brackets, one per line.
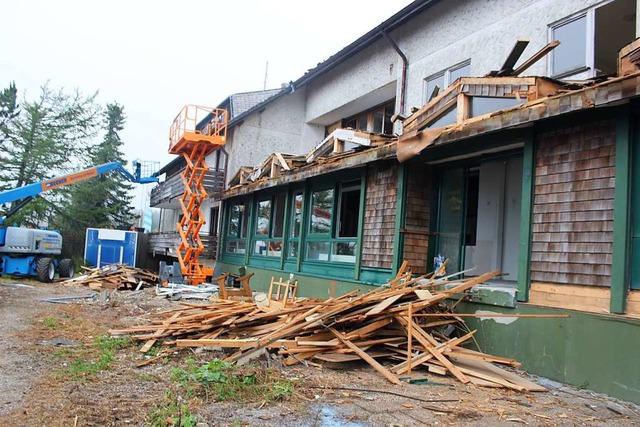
[242, 102]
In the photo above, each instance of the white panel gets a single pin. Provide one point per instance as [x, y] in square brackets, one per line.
[485, 255]
[106, 234]
[512, 208]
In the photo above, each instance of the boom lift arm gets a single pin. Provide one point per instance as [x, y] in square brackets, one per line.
[27, 192]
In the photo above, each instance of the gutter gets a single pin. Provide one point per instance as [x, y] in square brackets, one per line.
[405, 63]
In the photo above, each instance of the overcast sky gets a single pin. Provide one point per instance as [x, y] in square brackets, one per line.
[156, 56]
[153, 57]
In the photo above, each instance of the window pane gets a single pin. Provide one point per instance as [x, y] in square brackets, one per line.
[349, 212]
[234, 220]
[455, 74]
[318, 251]
[431, 85]
[244, 220]
[447, 118]
[321, 210]
[362, 123]
[482, 105]
[278, 215]
[344, 252]
[388, 125]
[378, 121]
[293, 249]
[264, 213]
[275, 248]
[572, 51]
[297, 215]
[260, 247]
[236, 246]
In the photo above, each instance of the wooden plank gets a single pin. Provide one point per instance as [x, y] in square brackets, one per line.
[283, 162]
[157, 334]
[383, 305]
[486, 367]
[378, 367]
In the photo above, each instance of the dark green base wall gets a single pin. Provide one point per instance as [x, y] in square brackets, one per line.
[308, 286]
[597, 352]
[600, 353]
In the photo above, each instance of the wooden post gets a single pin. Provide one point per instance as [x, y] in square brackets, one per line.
[409, 337]
[526, 218]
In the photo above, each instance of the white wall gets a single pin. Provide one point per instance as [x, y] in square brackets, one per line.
[481, 30]
[278, 128]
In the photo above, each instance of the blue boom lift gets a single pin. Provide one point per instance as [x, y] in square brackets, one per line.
[32, 252]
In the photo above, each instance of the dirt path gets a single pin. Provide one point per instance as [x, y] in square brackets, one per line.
[91, 384]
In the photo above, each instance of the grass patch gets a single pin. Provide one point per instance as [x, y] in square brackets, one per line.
[173, 412]
[50, 322]
[223, 381]
[89, 361]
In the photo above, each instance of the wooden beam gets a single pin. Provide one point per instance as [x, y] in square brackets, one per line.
[526, 217]
[535, 58]
[371, 361]
[621, 223]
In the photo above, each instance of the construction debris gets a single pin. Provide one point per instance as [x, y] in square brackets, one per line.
[383, 324]
[114, 276]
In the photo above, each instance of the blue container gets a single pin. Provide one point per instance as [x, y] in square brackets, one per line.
[104, 246]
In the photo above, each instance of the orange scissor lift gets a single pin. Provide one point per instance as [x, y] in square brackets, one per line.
[195, 133]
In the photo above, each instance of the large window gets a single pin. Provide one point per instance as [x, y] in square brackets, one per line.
[334, 223]
[267, 236]
[236, 237]
[445, 78]
[590, 40]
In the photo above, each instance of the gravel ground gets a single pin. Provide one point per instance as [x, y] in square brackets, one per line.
[36, 388]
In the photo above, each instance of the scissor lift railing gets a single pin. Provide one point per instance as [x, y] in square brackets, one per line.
[195, 133]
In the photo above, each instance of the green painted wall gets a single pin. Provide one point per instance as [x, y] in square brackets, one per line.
[592, 351]
[308, 285]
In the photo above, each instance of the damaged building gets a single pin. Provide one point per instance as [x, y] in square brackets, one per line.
[405, 146]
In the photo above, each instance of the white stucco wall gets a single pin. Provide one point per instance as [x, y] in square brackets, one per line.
[277, 128]
[355, 79]
[481, 30]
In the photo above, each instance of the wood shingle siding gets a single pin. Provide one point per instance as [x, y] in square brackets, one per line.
[573, 206]
[380, 216]
[417, 218]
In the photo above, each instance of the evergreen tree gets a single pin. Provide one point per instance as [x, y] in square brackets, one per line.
[43, 140]
[8, 109]
[105, 201]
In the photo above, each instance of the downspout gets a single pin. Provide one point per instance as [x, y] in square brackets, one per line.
[405, 62]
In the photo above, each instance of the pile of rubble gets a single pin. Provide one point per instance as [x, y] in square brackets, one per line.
[404, 325]
[114, 276]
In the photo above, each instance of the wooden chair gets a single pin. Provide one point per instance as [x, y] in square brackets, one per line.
[243, 292]
[286, 291]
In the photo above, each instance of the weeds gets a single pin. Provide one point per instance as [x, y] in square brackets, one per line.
[91, 361]
[172, 412]
[50, 322]
[224, 381]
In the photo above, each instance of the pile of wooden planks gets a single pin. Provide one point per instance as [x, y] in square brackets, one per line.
[114, 276]
[403, 323]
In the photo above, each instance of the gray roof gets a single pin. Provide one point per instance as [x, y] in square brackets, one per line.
[242, 102]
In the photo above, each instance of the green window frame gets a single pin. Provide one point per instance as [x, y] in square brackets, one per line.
[334, 223]
[295, 218]
[268, 230]
[236, 230]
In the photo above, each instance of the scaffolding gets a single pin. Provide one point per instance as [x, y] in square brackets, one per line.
[195, 133]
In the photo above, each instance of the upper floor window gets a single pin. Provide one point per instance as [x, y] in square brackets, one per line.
[444, 78]
[590, 40]
[377, 120]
